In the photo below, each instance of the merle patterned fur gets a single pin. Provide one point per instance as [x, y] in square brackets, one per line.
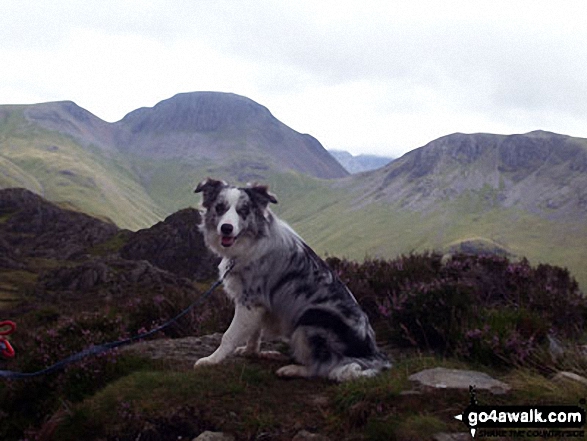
[282, 288]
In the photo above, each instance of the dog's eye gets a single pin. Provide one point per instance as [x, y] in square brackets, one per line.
[244, 211]
[220, 208]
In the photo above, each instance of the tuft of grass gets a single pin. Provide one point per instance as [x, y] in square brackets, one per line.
[533, 388]
[112, 245]
[412, 427]
[15, 286]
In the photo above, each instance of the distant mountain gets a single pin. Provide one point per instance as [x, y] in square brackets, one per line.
[139, 169]
[359, 163]
[541, 173]
[69, 156]
[223, 128]
[523, 195]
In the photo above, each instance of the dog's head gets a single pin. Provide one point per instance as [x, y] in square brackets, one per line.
[234, 216]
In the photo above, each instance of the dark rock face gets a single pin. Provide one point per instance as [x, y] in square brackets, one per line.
[111, 275]
[521, 153]
[34, 227]
[175, 245]
[161, 258]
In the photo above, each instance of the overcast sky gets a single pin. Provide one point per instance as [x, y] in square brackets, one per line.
[363, 76]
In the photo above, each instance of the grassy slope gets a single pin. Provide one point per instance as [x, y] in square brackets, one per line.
[321, 214]
[61, 170]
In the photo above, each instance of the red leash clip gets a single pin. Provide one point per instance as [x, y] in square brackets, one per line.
[5, 348]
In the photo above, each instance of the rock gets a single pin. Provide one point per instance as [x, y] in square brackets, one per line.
[565, 376]
[39, 228]
[184, 352]
[407, 393]
[180, 351]
[555, 347]
[108, 276]
[175, 245]
[443, 378]
[320, 400]
[304, 435]
[213, 436]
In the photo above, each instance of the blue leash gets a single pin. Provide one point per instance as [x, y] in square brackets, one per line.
[95, 350]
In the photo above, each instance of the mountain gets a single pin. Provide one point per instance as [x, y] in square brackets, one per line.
[210, 126]
[139, 169]
[520, 195]
[31, 227]
[523, 195]
[541, 173]
[67, 155]
[359, 163]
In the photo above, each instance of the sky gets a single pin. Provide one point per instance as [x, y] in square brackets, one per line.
[378, 77]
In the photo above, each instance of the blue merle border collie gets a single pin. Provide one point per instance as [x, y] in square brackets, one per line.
[281, 288]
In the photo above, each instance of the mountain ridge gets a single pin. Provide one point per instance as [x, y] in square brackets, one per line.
[521, 194]
[69, 155]
[536, 171]
[216, 126]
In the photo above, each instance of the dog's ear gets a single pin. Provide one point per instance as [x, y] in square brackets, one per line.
[261, 194]
[211, 188]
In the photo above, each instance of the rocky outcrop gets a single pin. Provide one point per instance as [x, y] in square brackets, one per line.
[33, 227]
[184, 352]
[107, 276]
[175, 245]
[214, 436]
[7, 257]
[85, 257]
[571, 377]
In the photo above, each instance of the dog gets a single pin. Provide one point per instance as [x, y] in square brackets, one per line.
[281, 287]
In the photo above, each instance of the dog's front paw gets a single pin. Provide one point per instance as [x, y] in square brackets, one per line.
[205, 361]
[244, 351]
[293, 371]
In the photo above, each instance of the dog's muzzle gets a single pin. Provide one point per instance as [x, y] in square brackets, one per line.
[227, 239]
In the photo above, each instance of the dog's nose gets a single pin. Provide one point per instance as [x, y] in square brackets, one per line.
[226, 229]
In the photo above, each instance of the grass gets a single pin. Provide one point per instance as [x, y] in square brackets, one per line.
[246, 399]
[381, 230]
[240, 397]
[15, 286]
[112, 245]
[60, 169]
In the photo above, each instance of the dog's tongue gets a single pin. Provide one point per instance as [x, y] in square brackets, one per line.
[227, 241]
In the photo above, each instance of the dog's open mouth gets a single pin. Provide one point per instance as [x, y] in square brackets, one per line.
[227, 241]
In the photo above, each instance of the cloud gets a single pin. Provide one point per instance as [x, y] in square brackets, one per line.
[371, 76]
